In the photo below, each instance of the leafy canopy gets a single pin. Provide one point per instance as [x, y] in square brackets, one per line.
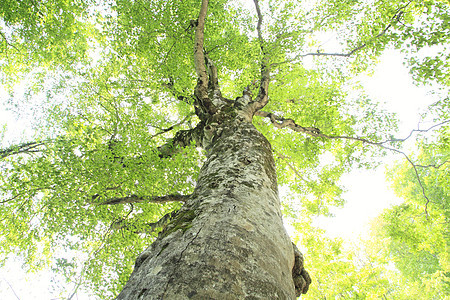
[110, 82]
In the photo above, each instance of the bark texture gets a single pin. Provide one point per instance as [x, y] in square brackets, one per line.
[228, 240]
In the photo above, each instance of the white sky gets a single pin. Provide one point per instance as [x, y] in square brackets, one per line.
[368, 193]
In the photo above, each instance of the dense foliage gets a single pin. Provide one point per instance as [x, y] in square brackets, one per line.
[108, 84]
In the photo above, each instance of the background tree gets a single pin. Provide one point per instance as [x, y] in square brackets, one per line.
[129, 101]
[417, 230]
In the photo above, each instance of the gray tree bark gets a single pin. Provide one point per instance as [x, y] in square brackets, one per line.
[228, 240]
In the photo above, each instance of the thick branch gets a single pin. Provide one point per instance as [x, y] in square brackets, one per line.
[213, 83]
[201, 90]
[28, 148]
[199, 59]
[145, 199]
[301, 277]
[146, 227]
[170, 86]
[280, 122]
[182, 139]
[262, 98]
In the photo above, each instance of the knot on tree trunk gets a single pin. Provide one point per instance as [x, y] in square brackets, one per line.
[301, 278]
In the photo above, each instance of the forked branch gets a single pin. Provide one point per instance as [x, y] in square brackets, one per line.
[418, 130]
[201, 89]
[394, 19]
[262, 97]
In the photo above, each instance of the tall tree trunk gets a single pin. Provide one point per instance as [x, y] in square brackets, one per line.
[228, 240]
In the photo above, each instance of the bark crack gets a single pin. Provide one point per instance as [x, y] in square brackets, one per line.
[171, 278]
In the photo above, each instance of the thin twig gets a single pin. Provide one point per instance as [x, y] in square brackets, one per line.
[8, 43]
[12, 289]
[291, 166]
[188, 117]
[24, 193]
[92, 253]
[435, 166]
[396, 17]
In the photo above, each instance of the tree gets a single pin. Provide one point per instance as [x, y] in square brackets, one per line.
[417, 230]
[172, 123]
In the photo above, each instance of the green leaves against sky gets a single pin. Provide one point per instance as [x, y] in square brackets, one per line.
[105, 83]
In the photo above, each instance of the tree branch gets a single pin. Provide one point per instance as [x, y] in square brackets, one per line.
[280, 122]
[188, 117]
[170, 86]
[29, 192]
[10, 286]
[291, 166]
[201, 89]
[27, 148]
[8, 43]
[417, 177]
[146, 199]
[213, 77]
[199, 59]
[417, 130]
[146, 228]
[182, 139]
[395, 18]
[263, 94]
[435, 166]
[91, 254]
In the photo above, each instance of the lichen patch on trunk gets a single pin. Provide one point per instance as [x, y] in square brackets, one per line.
[228, 241]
